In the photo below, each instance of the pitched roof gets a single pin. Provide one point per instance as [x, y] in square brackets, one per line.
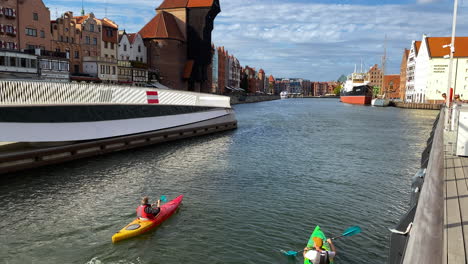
[418, 45]
[109, 23]
[131, 37]
[168, 4]
[81, 19]
[163, 26]
[271, 79]
[435, 46]
[200, 3]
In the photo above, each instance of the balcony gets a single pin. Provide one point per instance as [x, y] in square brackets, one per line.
[99, 59]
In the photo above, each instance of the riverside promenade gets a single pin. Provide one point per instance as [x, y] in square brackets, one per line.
[435, 229]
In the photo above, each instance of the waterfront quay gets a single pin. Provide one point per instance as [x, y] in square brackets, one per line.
[434, 229]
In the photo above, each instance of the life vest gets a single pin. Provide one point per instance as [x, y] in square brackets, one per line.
[142, 214]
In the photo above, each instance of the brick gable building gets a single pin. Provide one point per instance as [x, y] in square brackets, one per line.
[179, 38]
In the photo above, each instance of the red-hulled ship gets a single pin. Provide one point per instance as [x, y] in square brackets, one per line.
[356, 90]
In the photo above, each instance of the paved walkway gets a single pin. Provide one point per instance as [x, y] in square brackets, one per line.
[456, 210]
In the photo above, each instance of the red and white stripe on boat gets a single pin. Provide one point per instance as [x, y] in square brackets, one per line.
[153, 97]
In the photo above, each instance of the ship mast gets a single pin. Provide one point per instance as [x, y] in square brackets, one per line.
[384, 62]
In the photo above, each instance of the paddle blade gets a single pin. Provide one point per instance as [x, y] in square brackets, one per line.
[352, 231]
[290, 253]
[163, 198]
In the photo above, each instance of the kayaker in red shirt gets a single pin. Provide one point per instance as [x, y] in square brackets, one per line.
[146, 211]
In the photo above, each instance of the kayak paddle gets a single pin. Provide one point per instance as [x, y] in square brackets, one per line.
[354, 230]
[163, 198]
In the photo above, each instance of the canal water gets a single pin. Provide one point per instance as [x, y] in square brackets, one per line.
[249, 193]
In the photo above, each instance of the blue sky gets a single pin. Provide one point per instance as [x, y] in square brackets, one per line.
[315, 39]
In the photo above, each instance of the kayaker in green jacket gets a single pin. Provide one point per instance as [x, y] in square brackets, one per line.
[319, 250]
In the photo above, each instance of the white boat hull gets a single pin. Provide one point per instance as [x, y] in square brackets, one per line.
[380, 102]
[77, 131]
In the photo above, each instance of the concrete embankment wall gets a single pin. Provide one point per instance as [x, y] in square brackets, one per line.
[418, 106]
[21, 156]
[242, 99]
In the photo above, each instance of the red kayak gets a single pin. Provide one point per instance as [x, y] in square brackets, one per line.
[138, 227]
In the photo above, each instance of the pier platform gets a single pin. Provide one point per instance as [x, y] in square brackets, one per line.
[456, 209]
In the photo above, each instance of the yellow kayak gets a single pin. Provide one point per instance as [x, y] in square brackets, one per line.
[138, 227]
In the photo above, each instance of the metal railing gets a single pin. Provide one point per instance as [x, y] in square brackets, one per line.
[426, 236]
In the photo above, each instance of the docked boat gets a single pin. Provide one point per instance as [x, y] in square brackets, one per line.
[34, 111]
[139, 226]
[356, 89]
[284, 95]
[381, 102]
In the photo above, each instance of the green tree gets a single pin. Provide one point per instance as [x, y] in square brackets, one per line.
[337, 90]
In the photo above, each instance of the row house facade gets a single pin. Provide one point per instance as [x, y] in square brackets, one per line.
[33, 25]
[410, 93]
[271, 85]
[214, 71]
[261, 77]
[432, 69]
[26, 40]
[250, 76]
[132, 64]
[391, 86]
[403, 67]
[66, 38]
[234, 76]
[375, 75]
[320, 88]
[9, 20]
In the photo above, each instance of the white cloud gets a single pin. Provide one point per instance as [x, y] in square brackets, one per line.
[310, 40]
[322, 41]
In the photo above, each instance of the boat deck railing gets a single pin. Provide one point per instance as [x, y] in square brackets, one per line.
[47, 93]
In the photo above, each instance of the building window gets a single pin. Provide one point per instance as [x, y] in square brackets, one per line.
[31, 32]
[112, 45]
[103, 69]
[88, 39]
[13, 61]
[42, 34]
[35, 16]
[77, 68]
[91, 27]
[57, 49]
[139, 48]
[67, 39]
[66, 29]
[29, 46]
[23, 62]
[125, 47]
[108, 69]
[94, 41]
[33, 63]
[61, 38]
[113, 70]
[72, 40]
[77, 54]
[105, 44]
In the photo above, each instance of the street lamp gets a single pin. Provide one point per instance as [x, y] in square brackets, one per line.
[450, 92]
